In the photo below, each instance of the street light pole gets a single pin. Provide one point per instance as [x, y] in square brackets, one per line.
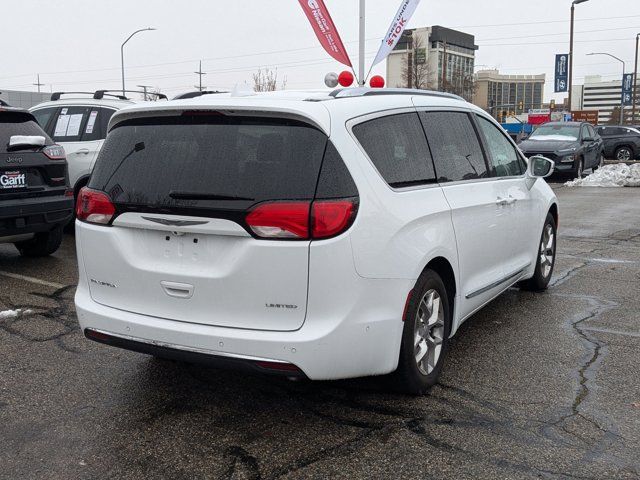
[635, 83]
[362, 80]
[122, 53]
[573, 12]
[624, 70]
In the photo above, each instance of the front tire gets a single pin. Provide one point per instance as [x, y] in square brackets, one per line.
[42, 245]
[425, 339]
[546, 258]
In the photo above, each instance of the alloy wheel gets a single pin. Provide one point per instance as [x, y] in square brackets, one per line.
[624, 154]
[429, 332]
[547, 250]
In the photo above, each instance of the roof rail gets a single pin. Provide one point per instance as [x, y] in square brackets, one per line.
[364, 92]
[99, 94]
[56, 95]
[184, 96]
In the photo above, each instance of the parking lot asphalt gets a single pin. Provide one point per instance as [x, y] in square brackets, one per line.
[536, 386]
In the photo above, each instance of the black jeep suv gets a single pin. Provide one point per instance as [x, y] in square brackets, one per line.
[35, 199]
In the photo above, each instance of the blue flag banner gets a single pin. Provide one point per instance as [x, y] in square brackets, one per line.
[562, 73]
[627, 89]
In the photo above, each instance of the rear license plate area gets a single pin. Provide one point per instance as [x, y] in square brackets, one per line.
[13, 180]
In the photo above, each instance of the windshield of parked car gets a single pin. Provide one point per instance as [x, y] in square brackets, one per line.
[556, 132]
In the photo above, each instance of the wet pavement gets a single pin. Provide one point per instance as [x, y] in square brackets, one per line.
[535, 386]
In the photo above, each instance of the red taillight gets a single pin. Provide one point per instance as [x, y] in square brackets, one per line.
[54, 152]
[331, 218]
[94, 207]
[288, 220]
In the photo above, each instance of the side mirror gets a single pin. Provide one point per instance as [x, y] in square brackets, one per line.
[588, 139]
[539, 167]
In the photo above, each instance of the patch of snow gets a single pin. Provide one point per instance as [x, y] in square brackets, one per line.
[619, 175]
[558, 138]
[10, 314]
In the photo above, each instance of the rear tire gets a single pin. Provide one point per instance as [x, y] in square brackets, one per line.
[546, 258]
[624, 154]
[42, 245]
[425, 339]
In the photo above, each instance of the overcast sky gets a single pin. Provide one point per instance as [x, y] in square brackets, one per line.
[75, 44]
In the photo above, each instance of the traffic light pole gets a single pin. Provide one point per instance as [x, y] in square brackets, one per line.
[573, 13]
[634, 102]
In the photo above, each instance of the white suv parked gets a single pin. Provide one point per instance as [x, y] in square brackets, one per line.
[308, 234]
[78, 122]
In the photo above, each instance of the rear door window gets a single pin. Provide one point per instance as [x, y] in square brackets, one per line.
[397, 147]
[503, 156]
[44, 116]
[455, 147]
[209, 161]
[69, 124]
[96, 125]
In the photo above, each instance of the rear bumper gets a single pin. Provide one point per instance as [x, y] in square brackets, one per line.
[357, 345]
[34, 215]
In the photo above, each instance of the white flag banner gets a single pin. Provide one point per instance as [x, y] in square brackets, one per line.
[405, 12]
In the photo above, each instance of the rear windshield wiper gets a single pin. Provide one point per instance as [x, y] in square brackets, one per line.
[206, 196]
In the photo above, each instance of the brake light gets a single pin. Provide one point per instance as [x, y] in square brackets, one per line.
[283, 220]
[291, 220]
[55, 152]
[331, 218]
[94, 207]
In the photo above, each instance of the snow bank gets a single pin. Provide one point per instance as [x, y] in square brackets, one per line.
[619, 175]
[9, 314]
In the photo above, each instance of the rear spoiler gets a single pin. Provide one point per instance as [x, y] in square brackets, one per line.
[184, 96]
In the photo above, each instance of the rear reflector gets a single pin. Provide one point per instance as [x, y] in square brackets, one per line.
[98, 336]
[277, 366]
[94, 207]
[282, 220]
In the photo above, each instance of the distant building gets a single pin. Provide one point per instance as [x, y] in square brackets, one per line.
[16, 98]
[498, 93]
[603, 96]
[438, 58]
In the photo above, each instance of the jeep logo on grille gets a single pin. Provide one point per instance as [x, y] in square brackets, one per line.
[13, 180]
[14, 160]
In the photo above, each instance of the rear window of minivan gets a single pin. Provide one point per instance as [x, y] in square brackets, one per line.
[203, 160]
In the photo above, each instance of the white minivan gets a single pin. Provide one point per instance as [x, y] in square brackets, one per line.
[308, 234]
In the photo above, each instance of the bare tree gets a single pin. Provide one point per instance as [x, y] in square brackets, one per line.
[461, 84]
[267, 81]
[615, 117]
[415, 73]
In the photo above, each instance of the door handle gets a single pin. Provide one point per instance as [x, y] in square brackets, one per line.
[83, 151]
[177, 290]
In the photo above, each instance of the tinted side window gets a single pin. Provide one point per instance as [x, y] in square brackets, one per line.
[96, 126]
[454, 145]
[592, 132]
[584, 132]
[397, 147]
[504, 158]
[68, 126]
[335, 180]
[43, 117]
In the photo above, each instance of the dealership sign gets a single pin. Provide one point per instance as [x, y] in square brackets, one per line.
[538, 116]
[324, 28]
[627, 89]
[589, 116]
[562, 73]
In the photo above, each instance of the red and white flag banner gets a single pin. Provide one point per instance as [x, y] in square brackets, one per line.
[400, 21]
[318, 15]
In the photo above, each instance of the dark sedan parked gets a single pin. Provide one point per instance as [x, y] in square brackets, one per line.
[620, 143]
[573, 146]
